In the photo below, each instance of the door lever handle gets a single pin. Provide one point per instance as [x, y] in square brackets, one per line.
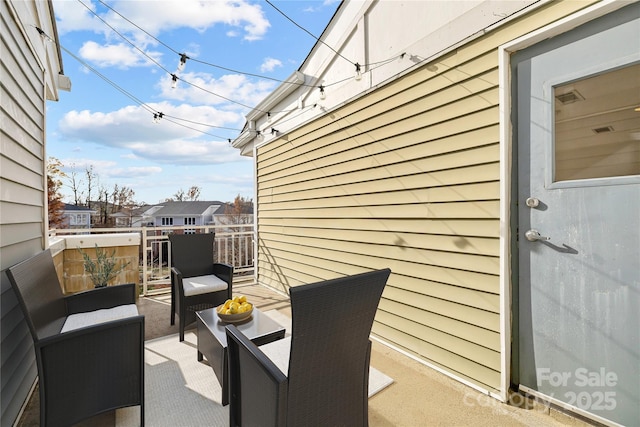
[534, 235]
[532, 202]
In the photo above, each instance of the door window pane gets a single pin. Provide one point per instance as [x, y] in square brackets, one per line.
[597, 126]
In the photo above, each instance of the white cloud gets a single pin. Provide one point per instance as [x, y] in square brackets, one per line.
[132, 129]
[134, 123]
[72, 16]
[269, 64]
[107, 170]
[116, 55]
[135, 171]
[186, 152]
[79, 164]
[325, 3]
[165, 15]
[203, 88]
[158, 16]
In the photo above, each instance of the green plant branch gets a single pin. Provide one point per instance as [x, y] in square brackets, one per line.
[104, 268]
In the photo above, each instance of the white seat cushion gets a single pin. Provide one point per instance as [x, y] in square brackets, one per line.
[90, 318]
[202, 285]
[278, 352]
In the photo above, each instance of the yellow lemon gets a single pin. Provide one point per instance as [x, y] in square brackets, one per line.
[242, 299]
[233, 308]
[227, 303]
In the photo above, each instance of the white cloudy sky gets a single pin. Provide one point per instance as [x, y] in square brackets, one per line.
[120, 56]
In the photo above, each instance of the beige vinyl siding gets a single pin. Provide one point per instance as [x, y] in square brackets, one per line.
[406, 177]
[22, 199]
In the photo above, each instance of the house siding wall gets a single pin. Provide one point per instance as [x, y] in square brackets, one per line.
[406, 177]
[23, 217]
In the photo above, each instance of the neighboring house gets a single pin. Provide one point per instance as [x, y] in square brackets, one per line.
[131, 217]
[472, 125]
[177, 214]
[102, 212]
[77, 216]
[123, 218]
[143, 216]
[172, 214]
[31, 74]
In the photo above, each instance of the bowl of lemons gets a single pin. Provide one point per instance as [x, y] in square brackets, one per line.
[235, 310]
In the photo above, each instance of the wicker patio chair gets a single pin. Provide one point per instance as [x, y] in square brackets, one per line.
[197, 282]
[323, 379]
[89, 346]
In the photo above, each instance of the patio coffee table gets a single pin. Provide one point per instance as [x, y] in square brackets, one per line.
[212, 340]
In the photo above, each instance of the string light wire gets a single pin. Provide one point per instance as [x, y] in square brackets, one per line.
[124, 38]
[184, 57]
[103, 77]
[174, 119]
[308, 32]
[174, 77]
[169, 118]
[232, 70]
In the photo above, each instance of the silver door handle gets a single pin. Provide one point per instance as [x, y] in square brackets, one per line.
[534, 235]
[532, 202]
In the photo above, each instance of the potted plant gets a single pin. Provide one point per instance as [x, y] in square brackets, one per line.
[104, 268]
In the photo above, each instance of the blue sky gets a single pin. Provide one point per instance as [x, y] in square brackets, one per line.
[120, 56]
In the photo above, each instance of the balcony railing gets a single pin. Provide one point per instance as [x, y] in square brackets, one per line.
[234, 244]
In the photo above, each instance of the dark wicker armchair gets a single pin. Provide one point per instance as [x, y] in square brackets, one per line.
[197, 282]
[89, 346]
[326, 380]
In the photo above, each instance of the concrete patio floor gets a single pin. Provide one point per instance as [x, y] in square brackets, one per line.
[420, 396]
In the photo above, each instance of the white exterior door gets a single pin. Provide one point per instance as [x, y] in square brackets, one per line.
[578, 150]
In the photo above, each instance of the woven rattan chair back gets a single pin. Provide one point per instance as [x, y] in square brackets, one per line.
[40, 295]
[192, 254]
[330, 349]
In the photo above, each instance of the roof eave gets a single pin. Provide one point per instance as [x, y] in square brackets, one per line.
[246, 140]
[289, 85]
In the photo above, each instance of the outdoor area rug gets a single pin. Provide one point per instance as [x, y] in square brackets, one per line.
[180, 391]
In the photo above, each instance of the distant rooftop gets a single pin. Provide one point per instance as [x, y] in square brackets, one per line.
[70, 207]
[189, 208]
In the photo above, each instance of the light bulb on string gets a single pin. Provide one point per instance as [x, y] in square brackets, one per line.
[268, 117]
[183, 61]
[322, 94]
[44, 35]
[358, 72]
[157, 117]
[174, 81]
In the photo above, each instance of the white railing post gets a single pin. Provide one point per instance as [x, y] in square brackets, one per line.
[145, 273]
